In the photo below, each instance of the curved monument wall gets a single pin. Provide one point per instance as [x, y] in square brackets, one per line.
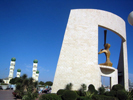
[78, 60]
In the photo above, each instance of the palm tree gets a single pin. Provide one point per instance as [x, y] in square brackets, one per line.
[26, 88]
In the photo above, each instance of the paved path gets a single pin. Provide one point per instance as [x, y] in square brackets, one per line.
[6, 95]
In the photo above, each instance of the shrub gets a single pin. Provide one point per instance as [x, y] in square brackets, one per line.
[111, 93]
[121, 95]
[92, 89]
[130, 95]
[101, 90]
[69, 86]
[50, 97]
[25, 88]
[69, 95]
[83, 87]
[25, 97]
[118, 87]
[103, 97]
[89, 94]
[83, 98]
[4, 84]
[81, 92]
[77, 92]
[60, 91]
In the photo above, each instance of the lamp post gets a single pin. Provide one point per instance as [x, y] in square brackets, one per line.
[130, 18]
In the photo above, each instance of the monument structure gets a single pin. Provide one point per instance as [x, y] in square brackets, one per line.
[78, 60]
[35, 64]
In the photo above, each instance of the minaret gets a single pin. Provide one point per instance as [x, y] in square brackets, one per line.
[37, 75]
[18, 72]
[12, 66]
[35, 63]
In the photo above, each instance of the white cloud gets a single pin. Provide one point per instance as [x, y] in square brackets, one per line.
[28, 70]
[29, 66]
[41, 69]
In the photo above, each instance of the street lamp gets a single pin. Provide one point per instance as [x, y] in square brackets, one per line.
[130, 18]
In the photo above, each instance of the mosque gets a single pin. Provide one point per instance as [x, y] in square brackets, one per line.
[35, 72]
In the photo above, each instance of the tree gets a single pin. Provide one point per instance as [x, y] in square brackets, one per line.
[15, 80]
[25, 88]
[49, 83]
[41, 83]
[1, 81]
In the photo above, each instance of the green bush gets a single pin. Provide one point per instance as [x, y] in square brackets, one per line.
[83, 98]
[89, 94]
[50, 97]
[69, 86]
[101, 90]
[26, 97]
[60, 91]
[69, 95]
[130, 95]
[118, 87]
[83, 87]
[4, 84]
[77, 92]
[103, 97]
[80, 92]
[111, 93]
[121, 95]
[92, 89]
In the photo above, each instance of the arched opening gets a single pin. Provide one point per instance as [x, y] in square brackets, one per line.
[105, 82]
[114, 40]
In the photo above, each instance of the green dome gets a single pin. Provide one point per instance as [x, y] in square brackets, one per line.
[13, 59]
[19, 70]
[35, 61]
[37, 72]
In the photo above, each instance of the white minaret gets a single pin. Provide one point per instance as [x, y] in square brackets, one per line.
[37, 75]
[35, 63]
[18, 72]
[12, 67]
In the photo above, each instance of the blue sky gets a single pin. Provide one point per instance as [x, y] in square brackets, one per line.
[34, 29]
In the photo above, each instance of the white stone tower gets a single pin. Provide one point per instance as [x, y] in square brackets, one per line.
[37, 75]
[35, 63]
[18, 72]
[12, 67]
